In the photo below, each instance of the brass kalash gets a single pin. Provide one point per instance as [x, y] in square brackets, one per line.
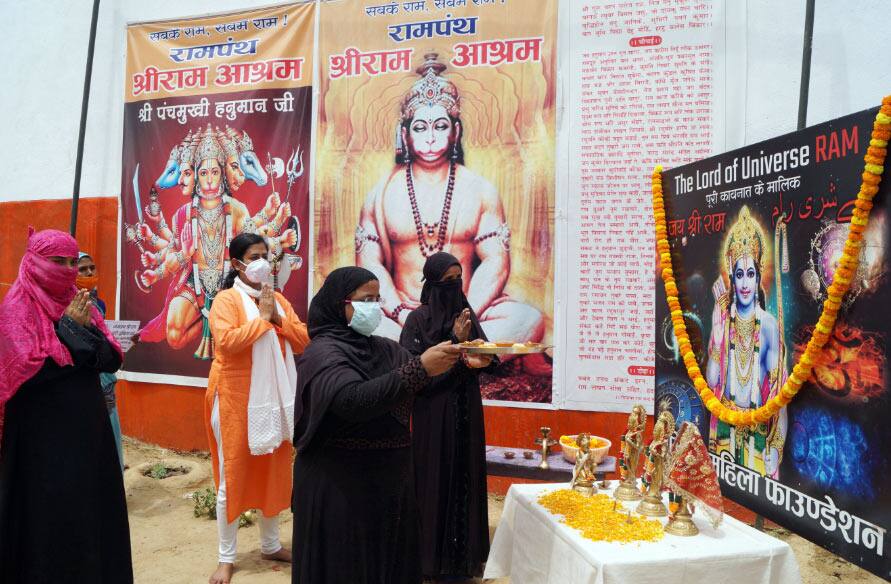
[682, 521]
[632, 449]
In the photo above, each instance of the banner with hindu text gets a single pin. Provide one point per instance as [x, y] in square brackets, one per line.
[648, 81]
[756, 235]
[437, 133]
[217, 129]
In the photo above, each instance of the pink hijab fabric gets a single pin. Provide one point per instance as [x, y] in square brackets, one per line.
[36, 301]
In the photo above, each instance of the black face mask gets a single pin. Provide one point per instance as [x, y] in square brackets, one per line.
[450, 285]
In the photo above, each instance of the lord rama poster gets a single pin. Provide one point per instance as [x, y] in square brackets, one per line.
[756, 235]
[217, 128]
[436, 132]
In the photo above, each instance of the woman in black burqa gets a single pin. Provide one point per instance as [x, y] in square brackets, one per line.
[355, 514]
[448, 436]
[63, 510]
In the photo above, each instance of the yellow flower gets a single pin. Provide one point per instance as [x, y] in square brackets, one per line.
[595, 518]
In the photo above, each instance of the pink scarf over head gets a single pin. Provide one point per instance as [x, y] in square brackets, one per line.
[36, 301]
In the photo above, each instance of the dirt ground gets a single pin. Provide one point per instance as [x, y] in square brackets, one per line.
[172, 546]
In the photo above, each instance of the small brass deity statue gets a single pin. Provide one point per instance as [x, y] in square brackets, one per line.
[654, 467]
[546, 444]
[629, 463]
[583, 475]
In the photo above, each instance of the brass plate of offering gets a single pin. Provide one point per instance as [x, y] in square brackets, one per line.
[502, 348]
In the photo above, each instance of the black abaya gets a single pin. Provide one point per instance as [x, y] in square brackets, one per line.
[448, 438]
[63, 512]
[355, 516]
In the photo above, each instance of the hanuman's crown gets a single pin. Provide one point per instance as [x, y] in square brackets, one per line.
[242, 141]
[246, 144]
[176, 150]
[188, 147]
[431, 89]
[230, 146]
[209, 147]
[234, 137]
[744, 239]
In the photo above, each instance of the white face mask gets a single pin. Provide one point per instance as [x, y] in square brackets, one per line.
[258, 271]
[366, 317]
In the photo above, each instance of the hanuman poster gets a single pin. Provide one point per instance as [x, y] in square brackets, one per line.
[217, 126]
[436, 132]
[756, 236]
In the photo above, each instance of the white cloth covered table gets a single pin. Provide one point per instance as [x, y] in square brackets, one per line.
[531, 546]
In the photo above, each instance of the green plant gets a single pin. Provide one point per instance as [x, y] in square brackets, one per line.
[158, 471]
[205, 503]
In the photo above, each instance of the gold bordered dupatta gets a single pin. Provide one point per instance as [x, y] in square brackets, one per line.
[692, 475]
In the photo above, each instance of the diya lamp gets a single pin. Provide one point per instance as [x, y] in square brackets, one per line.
[546, 442]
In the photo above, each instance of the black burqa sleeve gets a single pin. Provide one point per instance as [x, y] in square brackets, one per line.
[88, 347]
[344, 373]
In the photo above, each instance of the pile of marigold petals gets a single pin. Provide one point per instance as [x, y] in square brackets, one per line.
[595, 518]
[841, 281]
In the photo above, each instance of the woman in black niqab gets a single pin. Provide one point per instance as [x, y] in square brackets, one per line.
[355, 514]
[448, 435]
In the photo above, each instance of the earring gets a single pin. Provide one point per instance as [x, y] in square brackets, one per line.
[401, 153]
[454, 154]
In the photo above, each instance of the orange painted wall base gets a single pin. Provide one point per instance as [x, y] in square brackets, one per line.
[171, 416]
[96, 233]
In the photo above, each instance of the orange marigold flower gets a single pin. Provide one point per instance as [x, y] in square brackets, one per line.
[762, 416]
[871, 179]
[863, 204]
[843, 272]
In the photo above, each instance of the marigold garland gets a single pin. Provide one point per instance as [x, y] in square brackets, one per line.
[874, 161]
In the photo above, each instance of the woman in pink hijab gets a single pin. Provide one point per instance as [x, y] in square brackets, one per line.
[63, 512]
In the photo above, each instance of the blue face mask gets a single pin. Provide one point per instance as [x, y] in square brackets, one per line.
[366, 317]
